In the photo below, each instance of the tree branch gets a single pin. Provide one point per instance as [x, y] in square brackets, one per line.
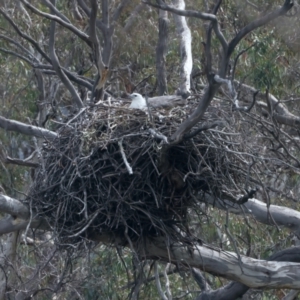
[25, 36]
[13, 207]
[235, 290]
[283, 216]
[20, 216]
[58, 69]
[195, 14]
[56, 11]
[12, 125]
[288, 4]
[57, 19]
[226, 264]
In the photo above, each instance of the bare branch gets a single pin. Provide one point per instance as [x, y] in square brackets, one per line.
[230, 86]
[77, 79]
[57, 19]
[12, 125]
[25, 36]
[159, 135]
[196, 116]
[17, 44]
[59, 70]
[93, 36]
[56, 11]
[13, 207]
[203, 127]
[19, 162]
[11, 224]
[236, 60]
[236, 290]
[200, 279]
[16, 55]
[267, 273]
[195, 14]
[280, 112]
[288, 4]
[283, 216]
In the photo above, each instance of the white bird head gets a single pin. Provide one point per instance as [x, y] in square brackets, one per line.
[138, 101]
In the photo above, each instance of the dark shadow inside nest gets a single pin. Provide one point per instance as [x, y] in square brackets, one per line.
[84, 187]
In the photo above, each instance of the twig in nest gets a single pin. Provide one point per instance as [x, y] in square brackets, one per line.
[159, 135]
[247, 109]
[77, 115]
[205, 126]
[129, 169]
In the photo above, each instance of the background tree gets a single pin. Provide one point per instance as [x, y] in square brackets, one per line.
[66, 65]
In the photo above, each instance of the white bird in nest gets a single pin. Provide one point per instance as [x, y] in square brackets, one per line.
[139, 102]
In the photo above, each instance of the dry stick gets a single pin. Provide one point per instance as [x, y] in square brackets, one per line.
[237, 57]
[165, 272]
[158, 284]
[159, 135]
[129, 169]
[77, 115]
[85, 227]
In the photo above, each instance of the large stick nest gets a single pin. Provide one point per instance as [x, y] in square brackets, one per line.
[84, 186]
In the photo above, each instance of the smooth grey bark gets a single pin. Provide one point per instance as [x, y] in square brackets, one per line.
[13, 207]
[161, 52]
[185, 37]
[20, 216]
[283, 216]
[12, 125]
[251, 272]
[235, 290]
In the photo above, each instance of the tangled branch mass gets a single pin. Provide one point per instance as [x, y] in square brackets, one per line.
[110, 172]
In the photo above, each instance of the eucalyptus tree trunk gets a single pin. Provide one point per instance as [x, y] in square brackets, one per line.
[185, 36]
[161, 51]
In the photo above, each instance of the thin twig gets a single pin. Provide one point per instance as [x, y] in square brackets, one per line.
[159, 135]
[129, 169]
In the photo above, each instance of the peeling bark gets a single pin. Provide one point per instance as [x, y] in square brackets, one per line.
[251, 272]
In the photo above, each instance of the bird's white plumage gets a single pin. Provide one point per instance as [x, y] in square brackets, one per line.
[138, 101]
